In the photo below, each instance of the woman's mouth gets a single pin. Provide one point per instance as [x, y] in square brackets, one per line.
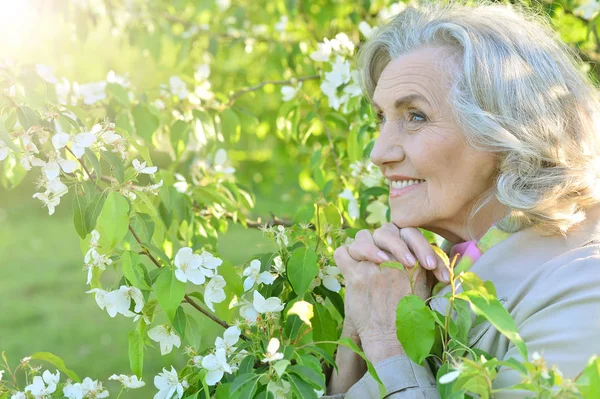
[400, 187]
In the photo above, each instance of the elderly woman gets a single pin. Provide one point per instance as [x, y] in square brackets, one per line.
[490, 138]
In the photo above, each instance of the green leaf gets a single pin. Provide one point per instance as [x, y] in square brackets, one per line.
[392, 265]
[280, 366]
[301, 389]
[132, 270]
[170, 292]
[145, 121]
[489, 307]
[136, 353]
[5, 137]
[179, 136]
[305, 214]
[309, 375]
[113, 222]
[324, 327]
[56, 362]
[116, 164]
[230, 125]
[241, 380]
[92, 211]
[96, 166]
[415, 327]
[180, 322]
[27, 117]
[143, 225]
[79, 220]
[302, 268]
[119, 93]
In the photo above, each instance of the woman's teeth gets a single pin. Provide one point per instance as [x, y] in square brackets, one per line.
[404, 183]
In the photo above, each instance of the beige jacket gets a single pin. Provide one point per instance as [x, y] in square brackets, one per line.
[550, 286]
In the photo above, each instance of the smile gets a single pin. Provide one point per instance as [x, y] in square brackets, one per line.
[401, 187]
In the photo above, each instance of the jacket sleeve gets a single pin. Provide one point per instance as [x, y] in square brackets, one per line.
[560, 319]
[402, 378]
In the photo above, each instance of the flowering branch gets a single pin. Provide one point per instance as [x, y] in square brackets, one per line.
[239, 93]
[153, 259]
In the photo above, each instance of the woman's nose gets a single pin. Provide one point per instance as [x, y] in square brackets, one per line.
[386, 150]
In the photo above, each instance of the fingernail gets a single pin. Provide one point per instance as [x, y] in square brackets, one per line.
[446, 276]
[411, 259]
[430, 262]
[383, 256]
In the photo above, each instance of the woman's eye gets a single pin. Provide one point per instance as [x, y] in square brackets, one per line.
[420, 117]
[381, 118]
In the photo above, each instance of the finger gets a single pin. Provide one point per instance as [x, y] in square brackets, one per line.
[368, 252]
[364, 249]
[389, 240]
[419, 245]
[343, 260]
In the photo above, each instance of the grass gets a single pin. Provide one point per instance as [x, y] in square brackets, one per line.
[43, 304]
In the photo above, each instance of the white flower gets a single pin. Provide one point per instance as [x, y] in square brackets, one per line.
[262, 305]
[63, 91]
[88, 389]
[130, 382]
[181, 185]
[365, 29]
[289, 92]
[252, 273]
[230, 337]
[281, 25]
[85, 140]
[378, 213]
[100, 296]
[340, 72]
[92, 92]
[168, 385]
[45, 73]
[272, 354]
[367, 172]
[153, 188]
[1, 374]
[323, 51]
[328, 276]
[278, 266]
[189, 267]
[217, 366]
[3, 150]
[51, 201]
[353, 209]
[342, 44]
[281, 237]
[141, 167]
[112, 77]
[353, 89]
[94, 259]
[280, 389]
[588, 9]
[178, 87]
[202, 72]
[221, 164]
[248, 312]
[214, 292]
[211, 262]
[166, 337]
[44, 385]
[18, 395]
[109, 137]
[119, 301]
[450, 376]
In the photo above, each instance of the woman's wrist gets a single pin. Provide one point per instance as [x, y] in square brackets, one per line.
[378, 347]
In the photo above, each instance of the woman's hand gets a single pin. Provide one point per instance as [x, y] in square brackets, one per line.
[373, 293]
[407, 245]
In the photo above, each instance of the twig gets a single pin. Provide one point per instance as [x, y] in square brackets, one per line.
[154, 260]
[239, 93]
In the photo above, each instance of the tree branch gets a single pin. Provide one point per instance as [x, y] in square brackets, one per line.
[239, 93]
[155, 261]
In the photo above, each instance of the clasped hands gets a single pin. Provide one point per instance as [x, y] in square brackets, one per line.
[373, 292]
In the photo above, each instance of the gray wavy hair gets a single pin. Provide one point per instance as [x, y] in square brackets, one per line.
[520, 92]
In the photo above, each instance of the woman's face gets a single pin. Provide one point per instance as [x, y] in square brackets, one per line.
[434, 175]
